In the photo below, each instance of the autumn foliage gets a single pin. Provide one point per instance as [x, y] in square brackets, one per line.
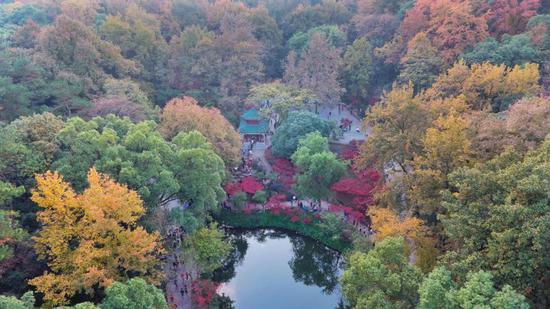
[92, 239]
[185, 114]
[249, 184]
[202, 292]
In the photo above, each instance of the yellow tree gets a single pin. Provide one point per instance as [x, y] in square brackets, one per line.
[446, 147]
[486, 86]
[398, 123]
[386, 223]
[91, 239]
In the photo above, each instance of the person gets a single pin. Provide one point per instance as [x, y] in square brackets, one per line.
[357, 130]
[329, 114]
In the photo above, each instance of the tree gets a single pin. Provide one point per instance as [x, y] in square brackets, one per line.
[135, 293]
[208, 248]
[18, 162]
[240, 62]
[511, 51]
[276, 99]
[451, 26]
[381, 278]
[317, 69]
[295, 127]
[15, 98]
[524, 128]
[137, 155]
[133, 92]
[184, 115]
[435, 288]
[421, 64]
[511, 16]
[90, 239]
[25, 302]
[39, 132]
[487, 86]
[357, 70]
[493, 213]
[199, 170]
[75, 47]
[387, 223]
[119, 106]
[319, 168]
[398, 124]
[446, 148]
[438, 290]
[300, 40]
[193, 64]
[10, 232]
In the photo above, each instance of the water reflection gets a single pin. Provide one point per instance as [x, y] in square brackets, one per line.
[274, 269]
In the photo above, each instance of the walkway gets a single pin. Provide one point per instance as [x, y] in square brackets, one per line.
[335, 114]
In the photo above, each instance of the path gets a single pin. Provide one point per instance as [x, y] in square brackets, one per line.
[337, 115]
[178, 283]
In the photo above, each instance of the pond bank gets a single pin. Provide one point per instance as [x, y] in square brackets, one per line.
[261, 220]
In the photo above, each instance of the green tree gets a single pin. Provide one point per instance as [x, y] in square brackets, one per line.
[357, 70]
[295, 127]
[208, 247]
[382, 278]
[25, 302]
[137, 155]
[511, 51]
[134, 293]
[39, 132]
[319, 168]
[435, 288]
[199, 170]
[421, 64]
[498, 215]
[334, 36]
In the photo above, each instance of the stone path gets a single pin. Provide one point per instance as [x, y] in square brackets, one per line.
[178, 283]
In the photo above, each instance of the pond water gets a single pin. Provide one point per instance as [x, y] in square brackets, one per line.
[274, 269]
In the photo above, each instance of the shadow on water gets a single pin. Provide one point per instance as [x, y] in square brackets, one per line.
[279, 269]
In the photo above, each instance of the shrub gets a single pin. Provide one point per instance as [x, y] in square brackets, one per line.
[239, 200]
[260, 197]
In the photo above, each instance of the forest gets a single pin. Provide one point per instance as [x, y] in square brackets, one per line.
[409, 136]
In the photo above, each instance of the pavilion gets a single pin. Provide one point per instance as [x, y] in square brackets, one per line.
[253, 127]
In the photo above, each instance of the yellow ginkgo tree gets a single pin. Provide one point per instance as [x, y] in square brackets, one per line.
[92, 239]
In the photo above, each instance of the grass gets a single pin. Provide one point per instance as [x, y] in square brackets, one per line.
[268, 220]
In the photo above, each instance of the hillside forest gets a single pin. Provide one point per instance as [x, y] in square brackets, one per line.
[122, 148]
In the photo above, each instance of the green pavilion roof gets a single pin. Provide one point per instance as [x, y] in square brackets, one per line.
[251, 114]
[253, 128]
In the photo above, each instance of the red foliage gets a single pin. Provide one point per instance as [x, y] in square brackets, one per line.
[295, 219]
[352, 186]
[283, 167]
[275, 201]
[202, 291]
[348, 211]
[511, 16]
[318, 216]
[232, 188]
[307, 220]
[251, 185]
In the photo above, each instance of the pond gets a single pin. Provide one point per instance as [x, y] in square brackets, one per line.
[274, 269]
